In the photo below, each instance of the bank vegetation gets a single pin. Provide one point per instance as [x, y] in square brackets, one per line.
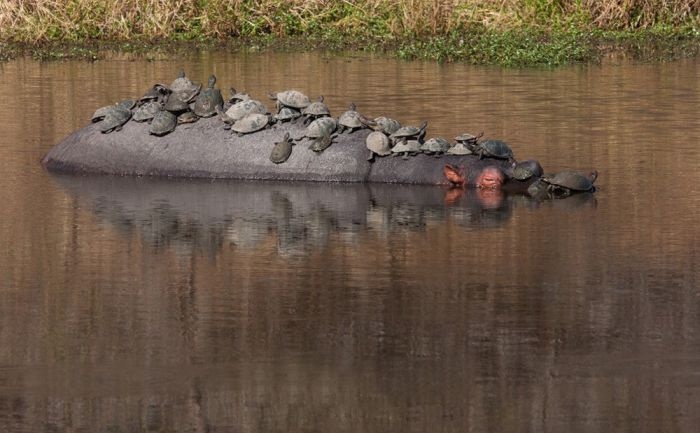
[508, 32]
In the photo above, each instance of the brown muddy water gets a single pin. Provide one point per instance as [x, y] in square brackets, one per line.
[133, 304]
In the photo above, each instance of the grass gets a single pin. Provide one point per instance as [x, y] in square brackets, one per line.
[504, 32]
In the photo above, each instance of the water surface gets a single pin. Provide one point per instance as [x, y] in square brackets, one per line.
[131, 304]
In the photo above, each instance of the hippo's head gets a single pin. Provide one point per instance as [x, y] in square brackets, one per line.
[490, 177]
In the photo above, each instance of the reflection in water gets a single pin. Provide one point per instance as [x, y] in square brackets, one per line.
[170, 306]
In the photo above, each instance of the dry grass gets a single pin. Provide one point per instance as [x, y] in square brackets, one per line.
[45, 20]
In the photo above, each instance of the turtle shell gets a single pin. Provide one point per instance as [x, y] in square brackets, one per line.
[435, 145]
[526, 169]
[406, 146]
[378, 143]
[495, 149]
[235, 96]
[251, 123]
[351, 118]
[147, 111]
[180, 100]
[208, 99]
[286, 113]
[164, 122]
[459, 149]
[115, 119]
[572, 180]
[317, 108]
[241, 109]
[409, 131]
[320, 127]
[319, 144]
[187, 117]
[282, 150]
[292, 98]
[101, 112]
[182, 84]
[386, 125]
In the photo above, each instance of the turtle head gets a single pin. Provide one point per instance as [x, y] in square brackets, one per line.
[593, 175]
[212, 81]
[181, 74]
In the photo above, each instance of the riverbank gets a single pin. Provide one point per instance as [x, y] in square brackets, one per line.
[506, 33]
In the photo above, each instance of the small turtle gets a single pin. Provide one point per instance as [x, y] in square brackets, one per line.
[378, 144]
[251, 123]
[164, 122]
[183, 84]
[435, 146]
[470, 141]
[235, 96]
[147, 111]
[187, 117]
[406, 132]
[351, 120]
[208, 99]
[282, 150]
[524, 170]
[115, 119]
[386, 125]
[494, 149]
[406, 148]
[315, 110]
[564, 183]
[538, 189]
[287, 114]
[459, 149]
[243, 108]
[101, 112]
[319, 144]
[156, 93]
[179, 100]
[290, 98]
[319, 128]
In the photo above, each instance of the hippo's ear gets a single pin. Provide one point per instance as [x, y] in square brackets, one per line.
[454, 175]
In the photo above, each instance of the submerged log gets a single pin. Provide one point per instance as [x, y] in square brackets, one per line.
[205, 150]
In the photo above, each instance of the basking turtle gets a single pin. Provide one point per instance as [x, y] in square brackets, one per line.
[287, 114]
[235, 96]
[164, 122]
[459, 148]
[179, 100]
[494, 149]
[435, 146]
[315, 110]
[101, 112]
[282, 150]
[290, 98]
[564, 183]
[183, 84]
[524, 170]
[378, 144]
[243, 108]
[156, 93]
[469, 141]
[187, 117]
[351, 120]
[406, 148]
[318, 128]
[409, 132]
[147, 111]
[208, 99]
[386, 125]
[115, 119]
[251, 123]
[319, 144]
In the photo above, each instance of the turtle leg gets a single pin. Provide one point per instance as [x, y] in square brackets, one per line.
[405, 156]
[371, 156]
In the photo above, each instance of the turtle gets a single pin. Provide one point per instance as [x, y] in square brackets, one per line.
[525, 170]
[114, 119]
[157, 92]
[469, 141]
[406, 132]
[319, 128]
[101, 112]
[182, 83]
[241, 109]
[290, 98]
[459, 148]
[386, 125]
[179, 100]
[351, 120]
[378, 144]
[315, 110]
[282, 150]
[435, 146]
[251, 123]
[406, 148]
[494, 149]
[208, 99]
[538, 189]
[564, 183]
[164, 122]
[147, 111]
[287, 114]
[187, 117]
[235, 96]
[319, 144]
